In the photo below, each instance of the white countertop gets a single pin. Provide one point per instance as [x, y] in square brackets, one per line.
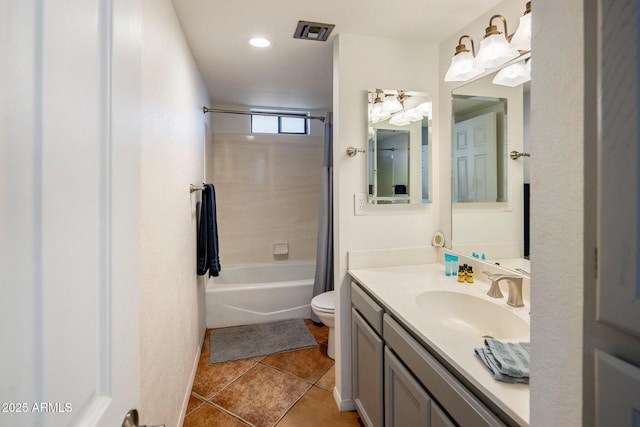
[397, 288]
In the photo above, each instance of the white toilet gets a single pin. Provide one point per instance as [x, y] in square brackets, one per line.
[323, 305]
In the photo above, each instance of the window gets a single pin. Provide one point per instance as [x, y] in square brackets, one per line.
[280, 125]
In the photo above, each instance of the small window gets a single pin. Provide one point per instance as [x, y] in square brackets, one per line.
[280, 125]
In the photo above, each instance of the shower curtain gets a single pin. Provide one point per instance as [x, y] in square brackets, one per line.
[323, 281]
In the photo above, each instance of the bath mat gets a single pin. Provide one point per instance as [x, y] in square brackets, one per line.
[262, 339]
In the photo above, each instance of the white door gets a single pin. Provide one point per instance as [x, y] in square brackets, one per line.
[475, 160]
[616, 336]
[69, 211]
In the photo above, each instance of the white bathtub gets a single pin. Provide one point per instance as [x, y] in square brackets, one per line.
[257, 293]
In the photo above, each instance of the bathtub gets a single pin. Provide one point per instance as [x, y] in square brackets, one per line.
[258, 293]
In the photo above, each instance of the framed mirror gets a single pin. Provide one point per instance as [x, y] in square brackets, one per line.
[398, 146]
[490, 188]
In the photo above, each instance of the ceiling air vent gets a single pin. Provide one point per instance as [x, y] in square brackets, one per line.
[313, 31]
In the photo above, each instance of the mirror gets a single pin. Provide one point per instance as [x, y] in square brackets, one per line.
[489, 188]
[479, 167]
[398, 146]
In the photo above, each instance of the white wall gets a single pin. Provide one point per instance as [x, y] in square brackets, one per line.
[559, 271]
[173, 135]
[362, 63]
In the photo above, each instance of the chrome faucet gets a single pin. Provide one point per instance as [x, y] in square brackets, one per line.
[515, 288]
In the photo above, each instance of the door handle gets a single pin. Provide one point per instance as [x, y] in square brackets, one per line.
[131, 420]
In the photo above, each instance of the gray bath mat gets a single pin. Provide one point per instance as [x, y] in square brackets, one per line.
[244, 342]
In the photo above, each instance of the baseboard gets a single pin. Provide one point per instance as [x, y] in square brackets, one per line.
[343, 405]
[194, 370]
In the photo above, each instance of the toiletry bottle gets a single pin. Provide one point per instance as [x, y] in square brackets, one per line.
[469, 274]
[461, 274]
[454, 265]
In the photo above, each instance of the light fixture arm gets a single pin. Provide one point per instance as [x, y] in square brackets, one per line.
[377, 99]
[463, 48]
[492, 29]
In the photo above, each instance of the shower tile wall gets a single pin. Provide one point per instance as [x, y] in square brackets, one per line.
[267, 190]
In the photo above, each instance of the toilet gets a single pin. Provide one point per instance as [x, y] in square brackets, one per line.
[323, 305]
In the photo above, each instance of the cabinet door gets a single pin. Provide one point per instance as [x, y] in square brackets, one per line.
[619, 248]
[407, 404]
[366, 354]
[438, 417]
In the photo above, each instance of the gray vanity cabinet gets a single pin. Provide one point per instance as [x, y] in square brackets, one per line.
[398, 383]
[366, 349]
[406, 403]
[366, 358]
[464, 407]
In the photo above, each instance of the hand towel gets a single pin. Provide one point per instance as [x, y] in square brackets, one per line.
[508, 362]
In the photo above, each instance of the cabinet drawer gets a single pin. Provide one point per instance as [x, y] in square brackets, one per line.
[464, 407]
[367, 307]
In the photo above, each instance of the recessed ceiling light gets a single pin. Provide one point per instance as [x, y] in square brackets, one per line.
[259, 42]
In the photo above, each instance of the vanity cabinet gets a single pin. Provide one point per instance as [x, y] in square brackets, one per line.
[397, 382]
[367, 358]
[406, 403]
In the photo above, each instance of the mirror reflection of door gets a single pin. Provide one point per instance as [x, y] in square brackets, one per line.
[392, 156]
[479, 168]
[475, 160]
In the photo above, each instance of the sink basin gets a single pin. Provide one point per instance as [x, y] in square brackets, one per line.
[472, 315]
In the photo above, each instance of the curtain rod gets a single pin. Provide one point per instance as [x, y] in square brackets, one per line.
[258, 113]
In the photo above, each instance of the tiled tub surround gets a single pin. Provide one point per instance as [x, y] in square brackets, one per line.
[285, 390]
[397, 287]
[267, 190]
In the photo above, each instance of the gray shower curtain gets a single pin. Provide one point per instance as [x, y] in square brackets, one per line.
[323, 281]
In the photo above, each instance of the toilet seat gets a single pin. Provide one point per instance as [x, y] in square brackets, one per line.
[324, 302]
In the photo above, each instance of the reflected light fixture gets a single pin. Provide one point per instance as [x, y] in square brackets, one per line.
[391, 104]
[494, 48]
[521, 40]
[513, 75]
[259, 42]
[400, 120]
[377, 111]
[462, 66]
[425, 109]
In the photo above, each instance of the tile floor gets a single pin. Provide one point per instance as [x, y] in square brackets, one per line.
[285, 390]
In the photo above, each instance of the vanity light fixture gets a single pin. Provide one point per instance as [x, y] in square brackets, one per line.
[514, 75]
[462, 66]
[378, 113]
[398, 106]
[425, 109]
[521, 40]
[400, 119]
[391, 104]
[494, 48]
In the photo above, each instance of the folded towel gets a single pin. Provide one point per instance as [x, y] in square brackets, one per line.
[508, 362]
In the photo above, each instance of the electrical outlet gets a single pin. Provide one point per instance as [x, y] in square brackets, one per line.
[359, 203]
